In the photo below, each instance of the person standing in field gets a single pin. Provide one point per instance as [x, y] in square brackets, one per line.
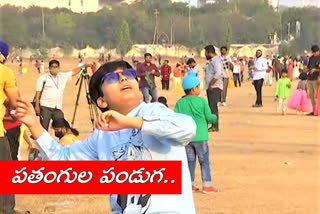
[9, 90]
[165, 75]
[146, 73]
[227, 67]
[214, 82]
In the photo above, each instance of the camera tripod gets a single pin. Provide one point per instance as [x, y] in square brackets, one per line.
[84, 77]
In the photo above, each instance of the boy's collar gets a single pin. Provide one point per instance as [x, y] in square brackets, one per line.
[134, 111]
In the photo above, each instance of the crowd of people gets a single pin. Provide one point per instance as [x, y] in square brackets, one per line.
[131, 129]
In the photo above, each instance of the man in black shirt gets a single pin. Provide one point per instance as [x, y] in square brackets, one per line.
[313, 73]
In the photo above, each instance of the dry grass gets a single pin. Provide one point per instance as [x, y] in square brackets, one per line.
[261, 162]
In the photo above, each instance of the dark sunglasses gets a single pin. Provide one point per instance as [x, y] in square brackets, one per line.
[113, 77]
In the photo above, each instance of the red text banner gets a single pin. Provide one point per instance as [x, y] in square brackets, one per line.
[90, 177]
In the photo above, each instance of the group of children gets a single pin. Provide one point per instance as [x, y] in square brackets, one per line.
[299, 100]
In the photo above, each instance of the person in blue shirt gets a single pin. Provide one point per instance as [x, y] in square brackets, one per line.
[128, 129]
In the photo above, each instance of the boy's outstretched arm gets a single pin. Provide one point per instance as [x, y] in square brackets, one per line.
[168, 126]
[161, 123]
[82, 150]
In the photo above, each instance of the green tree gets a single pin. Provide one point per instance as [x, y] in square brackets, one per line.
[227, 35]
[125, 41]
[60, 27]
[13, 30]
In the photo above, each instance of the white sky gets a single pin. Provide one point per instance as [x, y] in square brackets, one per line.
[289, 3]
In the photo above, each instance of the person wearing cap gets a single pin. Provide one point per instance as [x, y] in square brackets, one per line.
[197, 108]
[128, 129]
[9, 90]
[49, 92]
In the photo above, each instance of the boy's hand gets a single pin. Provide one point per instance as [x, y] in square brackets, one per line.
[113, 121]
[26, 113]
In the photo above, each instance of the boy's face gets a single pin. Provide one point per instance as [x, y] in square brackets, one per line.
[120, 95]
[196, 91]
[284, 74]
[192, 65]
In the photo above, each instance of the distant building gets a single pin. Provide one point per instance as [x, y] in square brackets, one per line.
[77, 6]
[310, 3]
[210, 1]
[274, 3]
[202, 3]
[192, 3]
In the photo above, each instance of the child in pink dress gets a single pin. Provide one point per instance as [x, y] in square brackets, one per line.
[299, 99]
[317, 106]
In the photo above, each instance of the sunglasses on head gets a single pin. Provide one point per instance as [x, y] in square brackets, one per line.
[113, 77]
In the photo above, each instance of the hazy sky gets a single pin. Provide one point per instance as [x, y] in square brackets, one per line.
[289, 3]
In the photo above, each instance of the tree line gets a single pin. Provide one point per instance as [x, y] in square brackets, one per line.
[222, 23]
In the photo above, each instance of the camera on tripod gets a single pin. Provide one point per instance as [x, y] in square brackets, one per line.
[84, 70]
[84, 78]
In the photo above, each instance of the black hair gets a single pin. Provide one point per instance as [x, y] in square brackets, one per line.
[63, 123]
[284, 71]
[190, 61]
[54, 62]
[303, 76]
[163, 100]
[147, 54]
[210, 49]
[314, 48]
[224, 47]
[187, 91]
[95, 82]
[166, 60]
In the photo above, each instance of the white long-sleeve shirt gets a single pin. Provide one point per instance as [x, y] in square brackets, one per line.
[262, 65]
[163, 136]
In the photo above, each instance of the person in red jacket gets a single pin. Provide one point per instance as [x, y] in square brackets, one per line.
[165, 75]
